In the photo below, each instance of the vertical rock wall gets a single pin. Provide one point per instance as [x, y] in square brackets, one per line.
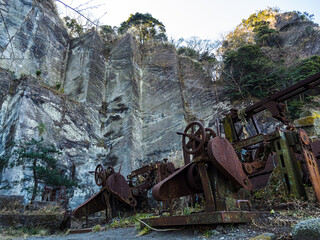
[120, 109]
[32, 38]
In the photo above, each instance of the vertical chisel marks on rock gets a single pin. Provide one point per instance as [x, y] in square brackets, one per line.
[10, 38]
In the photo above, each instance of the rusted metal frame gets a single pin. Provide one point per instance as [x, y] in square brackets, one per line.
[249, 141]
[312, 166]
[218, 217]
[87, 215]
[247, 202]
[218, 127]
[255, 124]
[106, 196]
[206, 185]
[288, 165]
[186, 157]
[285, 94]
[256, 139]
[316, 151]
[313, 171]
[229, 129]
[141, 170]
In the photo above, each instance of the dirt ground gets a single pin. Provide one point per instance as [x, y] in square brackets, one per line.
[277, 224]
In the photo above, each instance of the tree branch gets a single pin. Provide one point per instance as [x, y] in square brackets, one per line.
[77, 12]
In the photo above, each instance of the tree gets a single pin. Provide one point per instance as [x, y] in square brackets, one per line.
[248, 71]
[265, 35]
[74, 28]
[201, 50]
[147, 27]
[42, 160]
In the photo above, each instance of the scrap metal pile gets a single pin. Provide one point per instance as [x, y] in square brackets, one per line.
[221, 169]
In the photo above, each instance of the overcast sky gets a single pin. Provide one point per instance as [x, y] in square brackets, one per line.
[207, 19]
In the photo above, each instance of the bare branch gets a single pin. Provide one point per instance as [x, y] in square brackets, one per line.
[77, 12]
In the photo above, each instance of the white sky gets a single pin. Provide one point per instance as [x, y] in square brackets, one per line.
[207, 19]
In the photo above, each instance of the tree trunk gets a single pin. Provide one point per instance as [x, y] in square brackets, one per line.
[35, 179]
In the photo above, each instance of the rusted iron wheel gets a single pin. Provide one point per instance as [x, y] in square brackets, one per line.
[100, 175]
[194, 137]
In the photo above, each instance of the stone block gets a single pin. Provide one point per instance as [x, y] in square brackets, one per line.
[307, 230]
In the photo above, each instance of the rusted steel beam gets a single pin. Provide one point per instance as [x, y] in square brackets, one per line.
[83, 230]
[209, 197]
[285, 94]
[202, 219]
[92, 205]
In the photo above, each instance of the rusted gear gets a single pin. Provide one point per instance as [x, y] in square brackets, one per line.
[304, 137]
[196, 134]
[210, 133]
[100, 175]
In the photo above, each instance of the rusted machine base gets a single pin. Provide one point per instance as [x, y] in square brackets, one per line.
[77, 231]
[202, 218]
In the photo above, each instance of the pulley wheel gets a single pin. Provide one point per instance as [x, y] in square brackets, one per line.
[194, 137]
[100, 175]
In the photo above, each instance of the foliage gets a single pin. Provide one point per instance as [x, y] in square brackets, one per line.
[41, 128]
[4, 159]
[147, 27]
[189, 52]
[305, 16]
[74, 28]
[58, 85]
[201, 50]
[41, 159]
[144, 231]
[108, 32]
[209, 233]
[23, 232]
[38, 72]
[97, 228]
[301, 71]
[244, 32]
[304, 69]
[265, 35]
[263, 15]
[247, 71]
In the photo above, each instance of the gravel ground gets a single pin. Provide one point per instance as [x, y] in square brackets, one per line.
[224, 233]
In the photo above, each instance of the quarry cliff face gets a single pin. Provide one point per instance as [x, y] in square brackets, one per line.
[121, 108]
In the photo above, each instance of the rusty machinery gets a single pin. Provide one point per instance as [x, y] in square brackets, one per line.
[221, 167]
[117, 191]
[113, 187]
[215, 171]
[55, 194]
[290, 148]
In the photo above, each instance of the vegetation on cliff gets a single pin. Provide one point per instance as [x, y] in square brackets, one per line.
[42, 161]
[256, 59]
